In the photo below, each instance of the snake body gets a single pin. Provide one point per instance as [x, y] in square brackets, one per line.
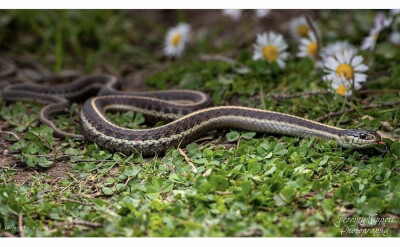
[186, 111]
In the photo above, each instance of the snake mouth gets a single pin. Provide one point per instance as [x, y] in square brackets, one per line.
[381, 143]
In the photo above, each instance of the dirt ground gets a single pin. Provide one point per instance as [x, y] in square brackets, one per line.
[23, 173]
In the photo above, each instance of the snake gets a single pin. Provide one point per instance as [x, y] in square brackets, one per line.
[188, 115]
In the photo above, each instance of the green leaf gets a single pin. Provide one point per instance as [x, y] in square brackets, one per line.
[201, 161]
[43, 162]
[280, 149]
[167, 186]
[107, 191]
[232, 136]
[288, 191]
[248, 135]
[245, 188]
[254, 167]
[324, 161]
[153, 196]
[158, 205]
[192, 147]
[218, 182]
[54, 214]
[281, 152]
[271, 170]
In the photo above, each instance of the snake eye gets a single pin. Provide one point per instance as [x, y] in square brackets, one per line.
[363, 136]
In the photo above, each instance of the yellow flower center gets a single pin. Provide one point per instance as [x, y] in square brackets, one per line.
[345, 70]
[176, 39]
[302, 30]
[312, 49]
[270, 53]
[342, 89]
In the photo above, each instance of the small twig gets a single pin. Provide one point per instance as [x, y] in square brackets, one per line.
[7, 235]
[238, 141]
[20, 226]
[217, 57]
[372, 91]
[205, 138]
[223, 59]
[297, 95]
[86, 223]
[127, 181]
[67, 187]
[49, 190]
[26, 180]
[76, 161]
[95, 195]
[281, 96]
[262, 97]
[338, 113]
[223, 193]
[76, 201]
[313, 28]
[55, 181]
[187, 160]
[9, 132]
[73, 177]
[60, 158]
[8, 168]
[253, 232]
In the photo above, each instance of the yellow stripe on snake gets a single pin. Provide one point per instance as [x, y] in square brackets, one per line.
[187, 111]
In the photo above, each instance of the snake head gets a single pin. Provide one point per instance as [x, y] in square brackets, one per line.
[360, 139]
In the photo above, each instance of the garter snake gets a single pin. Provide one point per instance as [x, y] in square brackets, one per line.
[187, 111]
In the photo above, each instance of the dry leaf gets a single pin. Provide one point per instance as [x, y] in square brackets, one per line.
[206, 173]
[385, 135]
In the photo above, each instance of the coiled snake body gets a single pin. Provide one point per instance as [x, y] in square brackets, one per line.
[185, 109]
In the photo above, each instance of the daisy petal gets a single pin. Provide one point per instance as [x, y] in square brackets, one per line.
[281, 63]
[356, 61]
[361, 68]
[331, 63]
[358, 77]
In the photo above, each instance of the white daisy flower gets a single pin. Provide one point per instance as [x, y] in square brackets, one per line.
[339, 46]
[395, 37]
[261, 13]
[308, 47]
[271, 47]
[176, 39]
[344, 87]
[381, 22]
[370, 41]
[234, 14]
[299, 28]
[346, 66]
